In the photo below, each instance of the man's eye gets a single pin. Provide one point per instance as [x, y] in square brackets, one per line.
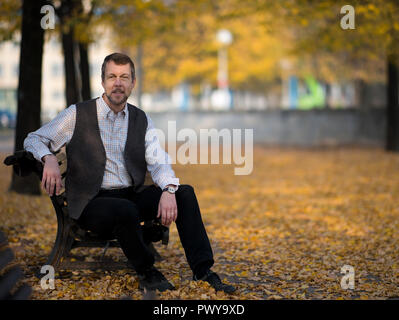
[111, 77]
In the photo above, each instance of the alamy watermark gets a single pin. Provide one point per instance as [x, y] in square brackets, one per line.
[47, 281]
[48, 20]
[348, 20]
[348, 280]
[231, 143]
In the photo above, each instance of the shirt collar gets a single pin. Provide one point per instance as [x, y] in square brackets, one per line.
[105, 111]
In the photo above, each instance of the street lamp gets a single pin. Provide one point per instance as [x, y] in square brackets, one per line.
[221, 98]
[225, 38]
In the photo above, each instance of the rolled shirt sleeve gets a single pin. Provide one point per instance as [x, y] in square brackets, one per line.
[158, 160]
[53, 135]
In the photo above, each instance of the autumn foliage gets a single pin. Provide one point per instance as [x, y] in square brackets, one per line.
[283, 232]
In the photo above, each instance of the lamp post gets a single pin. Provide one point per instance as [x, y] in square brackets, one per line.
[221, 98]
[225, 38]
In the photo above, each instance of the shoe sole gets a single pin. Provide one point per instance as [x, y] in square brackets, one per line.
[153, 288]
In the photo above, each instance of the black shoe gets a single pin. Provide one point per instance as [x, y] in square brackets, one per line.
[152, 279]
[214, 280]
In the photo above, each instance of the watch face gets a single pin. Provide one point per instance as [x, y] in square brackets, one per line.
[171, 189]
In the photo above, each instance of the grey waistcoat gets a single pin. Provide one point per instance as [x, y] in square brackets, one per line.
[86, 155]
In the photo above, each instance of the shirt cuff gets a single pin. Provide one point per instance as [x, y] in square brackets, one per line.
[40, 153]
[165, 182]
[45, 154]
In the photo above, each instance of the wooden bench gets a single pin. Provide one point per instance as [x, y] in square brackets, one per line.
[69, 234]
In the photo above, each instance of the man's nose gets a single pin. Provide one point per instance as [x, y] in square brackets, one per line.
[117, 81]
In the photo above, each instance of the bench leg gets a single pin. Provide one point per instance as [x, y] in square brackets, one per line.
[62, 246]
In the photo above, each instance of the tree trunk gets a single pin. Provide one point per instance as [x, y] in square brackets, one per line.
[392, 142]
[72, 90]
[70, 50]
[85, 70]
[139, 74]
[29, 87]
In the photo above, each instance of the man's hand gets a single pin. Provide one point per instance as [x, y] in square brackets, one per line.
[167, 208]
[51, 175]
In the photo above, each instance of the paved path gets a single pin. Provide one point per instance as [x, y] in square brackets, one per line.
[6, 140]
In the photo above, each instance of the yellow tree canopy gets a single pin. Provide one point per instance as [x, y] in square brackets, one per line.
[188, 49]
[338, 53]
[10, 18]
[178, 38]
[266, 35]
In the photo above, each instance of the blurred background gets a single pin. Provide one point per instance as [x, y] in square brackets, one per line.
[305, 73]
[316, 81]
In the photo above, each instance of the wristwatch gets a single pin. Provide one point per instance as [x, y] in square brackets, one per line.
[170, 189]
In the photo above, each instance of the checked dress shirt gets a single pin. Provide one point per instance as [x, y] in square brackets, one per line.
[113, 130]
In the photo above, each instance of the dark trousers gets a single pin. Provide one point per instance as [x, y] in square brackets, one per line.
[118, 214]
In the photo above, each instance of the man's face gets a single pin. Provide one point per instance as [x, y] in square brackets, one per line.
[118, 83]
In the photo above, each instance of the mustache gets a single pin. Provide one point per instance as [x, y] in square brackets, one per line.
[118, 91]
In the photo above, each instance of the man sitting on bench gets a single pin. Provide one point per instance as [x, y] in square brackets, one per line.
[108, 146]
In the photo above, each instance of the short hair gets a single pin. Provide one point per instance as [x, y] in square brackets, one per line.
[119, 59]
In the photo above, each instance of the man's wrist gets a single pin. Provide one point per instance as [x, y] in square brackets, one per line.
[170, 188]
[46, 157]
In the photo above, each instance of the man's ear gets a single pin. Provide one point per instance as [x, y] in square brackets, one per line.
[134, 83]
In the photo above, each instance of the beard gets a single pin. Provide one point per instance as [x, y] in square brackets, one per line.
[117, 101]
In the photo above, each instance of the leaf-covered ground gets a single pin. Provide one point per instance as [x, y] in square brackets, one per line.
[283, 232]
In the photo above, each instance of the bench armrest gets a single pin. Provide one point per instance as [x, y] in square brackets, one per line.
[24, 163]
